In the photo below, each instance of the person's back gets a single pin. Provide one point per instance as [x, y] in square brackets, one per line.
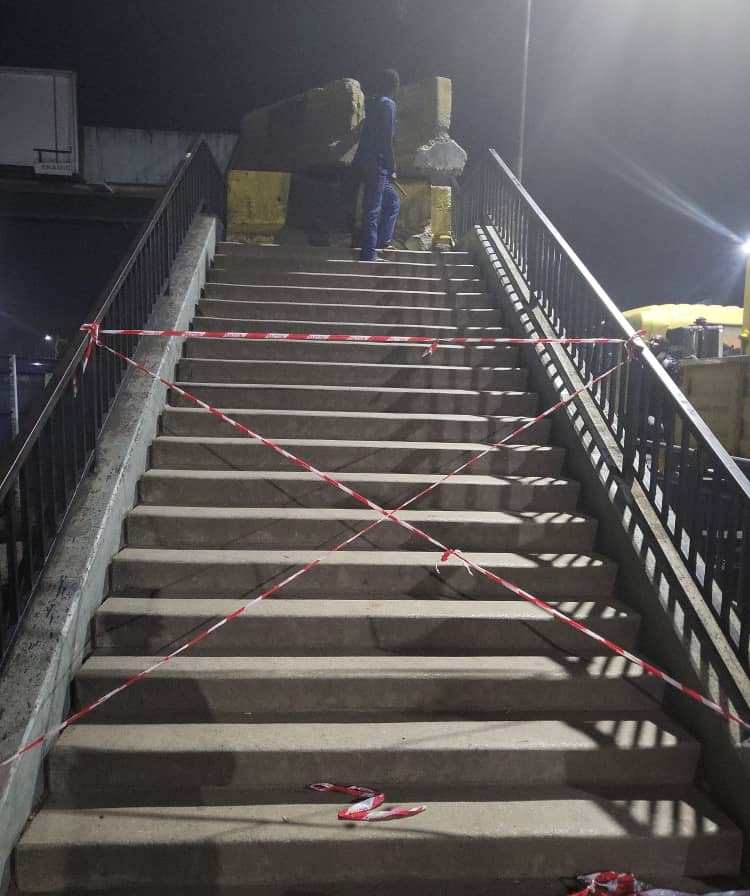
[375, 162]
[376, 141]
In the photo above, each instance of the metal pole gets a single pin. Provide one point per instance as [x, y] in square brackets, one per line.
[524, 93]
[13, 374]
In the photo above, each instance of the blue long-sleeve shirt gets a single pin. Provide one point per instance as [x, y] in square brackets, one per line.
[378, 132]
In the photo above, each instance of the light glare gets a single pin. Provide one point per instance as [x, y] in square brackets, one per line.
[746, 247]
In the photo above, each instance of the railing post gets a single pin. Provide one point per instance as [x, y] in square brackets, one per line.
[631, 428]
[13, 377]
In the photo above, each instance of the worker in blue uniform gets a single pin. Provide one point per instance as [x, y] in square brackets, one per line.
[376, 167]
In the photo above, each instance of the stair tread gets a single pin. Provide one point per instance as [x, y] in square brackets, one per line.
[371, 558]
[555, 735]
[397, 626]
[376, 274]
[463, 479]
[366, 390]
[383, 297]
[585, 818]
[235, 324]
[478, 291]
[300, 263]
[280, 250]
[371, 608]
[376, 415]
[283, 845]
[250, 668]
[345, 351]
[447, 310]
[470, 517]
[457, 447]
[409, 368]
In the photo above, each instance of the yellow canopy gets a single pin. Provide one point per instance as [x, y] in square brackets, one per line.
[657, 319]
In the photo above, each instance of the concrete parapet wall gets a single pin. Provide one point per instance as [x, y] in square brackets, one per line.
[135, 156]
[34, 690]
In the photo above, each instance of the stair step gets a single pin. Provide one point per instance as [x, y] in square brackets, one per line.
[313, 253]
[366, 280]
[213, 688]
[302, 845]
[276, 528]
[326, 373]
[354, 425]
[461, 297]
[225, 764]
[279, 626]
[249, 488]
[357, 398]
[376, 314]
[234, 573]
[392, 266]
[351, 352]
[242, 453]
[288, 325]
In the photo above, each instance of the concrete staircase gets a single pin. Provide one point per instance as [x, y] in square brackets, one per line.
[537, 754]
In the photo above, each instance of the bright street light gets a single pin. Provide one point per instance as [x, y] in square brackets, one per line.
[746, 247]
[48, 338]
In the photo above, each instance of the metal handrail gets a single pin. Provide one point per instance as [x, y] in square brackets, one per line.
[627, 331]
[56, 445]
[693, 484]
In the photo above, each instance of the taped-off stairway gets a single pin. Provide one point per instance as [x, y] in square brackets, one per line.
[537, 753]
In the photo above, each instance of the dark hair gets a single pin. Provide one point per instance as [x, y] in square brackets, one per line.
[387, 83]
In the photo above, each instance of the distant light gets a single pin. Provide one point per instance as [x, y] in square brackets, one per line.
[36, 364]
[746, 247]
[48, 338]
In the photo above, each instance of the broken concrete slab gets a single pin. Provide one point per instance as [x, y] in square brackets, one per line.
[320, 128]
[424, 147]
[440, 159]
[317, 128]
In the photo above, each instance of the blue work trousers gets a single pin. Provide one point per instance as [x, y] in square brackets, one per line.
[380, 208]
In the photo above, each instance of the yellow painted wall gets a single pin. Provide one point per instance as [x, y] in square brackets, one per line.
[257, 203]
[719, 389]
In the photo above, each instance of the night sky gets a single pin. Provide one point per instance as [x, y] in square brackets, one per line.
[629, 100]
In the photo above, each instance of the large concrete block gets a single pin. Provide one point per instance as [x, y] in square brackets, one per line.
[315, 128]
[256, 204]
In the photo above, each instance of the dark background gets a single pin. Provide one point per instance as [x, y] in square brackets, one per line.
[654, 91]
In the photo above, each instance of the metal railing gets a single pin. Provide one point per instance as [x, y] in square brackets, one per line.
[699, 493]
[56, 446]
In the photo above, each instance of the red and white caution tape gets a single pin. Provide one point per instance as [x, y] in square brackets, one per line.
[470, 564]
[446, 552]
[617, 883]
[95, 331]
[367, 805]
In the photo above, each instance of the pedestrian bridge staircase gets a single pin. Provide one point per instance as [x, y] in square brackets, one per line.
[537, 753]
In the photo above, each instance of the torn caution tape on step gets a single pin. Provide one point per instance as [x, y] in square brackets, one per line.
[617, 883]
[367, 805]
[445, 550]
[95, 332]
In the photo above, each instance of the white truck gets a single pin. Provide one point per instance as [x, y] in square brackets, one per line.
[39, 120]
